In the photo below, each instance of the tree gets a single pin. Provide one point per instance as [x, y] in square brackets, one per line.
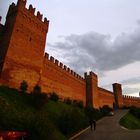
[54, 96]
[37, 89]
[23, 86]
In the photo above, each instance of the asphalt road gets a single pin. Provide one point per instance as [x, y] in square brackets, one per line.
[109, 129]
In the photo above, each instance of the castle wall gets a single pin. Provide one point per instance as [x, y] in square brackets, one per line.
[24, 44]
[106, 97]
[56, 77]
[131, 101]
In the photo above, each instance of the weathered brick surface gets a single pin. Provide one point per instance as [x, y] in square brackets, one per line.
[63, 81]
[25, 39]
[92, 94]
[118, 94]
[131, 101]
[106, 97]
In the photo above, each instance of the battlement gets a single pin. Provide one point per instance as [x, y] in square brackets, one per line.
[62, 66]
[21, 6]
[131, 97]
[91, 75]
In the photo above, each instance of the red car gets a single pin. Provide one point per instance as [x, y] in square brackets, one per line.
[12, 135]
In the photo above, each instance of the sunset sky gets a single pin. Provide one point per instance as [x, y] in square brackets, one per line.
[98, 35]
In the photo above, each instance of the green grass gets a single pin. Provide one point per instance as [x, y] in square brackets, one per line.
[129, 121]
[18, 113]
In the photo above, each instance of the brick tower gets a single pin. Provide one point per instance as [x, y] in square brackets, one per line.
[117, 89]
[23, 45]
[92, 97]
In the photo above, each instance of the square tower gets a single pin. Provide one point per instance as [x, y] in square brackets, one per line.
[23, 45]
[92, 96]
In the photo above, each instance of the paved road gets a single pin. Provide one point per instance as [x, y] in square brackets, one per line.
[109, 129]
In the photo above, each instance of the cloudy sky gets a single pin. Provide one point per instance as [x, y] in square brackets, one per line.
[98, 35]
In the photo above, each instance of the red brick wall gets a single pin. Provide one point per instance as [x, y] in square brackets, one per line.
[131, 101]
[63, 81]
[106, 97]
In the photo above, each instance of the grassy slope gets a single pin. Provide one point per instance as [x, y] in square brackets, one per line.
[129, 121]
[17, 114]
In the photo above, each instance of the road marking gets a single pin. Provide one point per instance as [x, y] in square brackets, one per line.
[124, 128]
[79, 133]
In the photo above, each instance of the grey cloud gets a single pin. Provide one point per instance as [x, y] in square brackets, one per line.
[98, 52]
[4, 4]
[128, 90]
[134, 80]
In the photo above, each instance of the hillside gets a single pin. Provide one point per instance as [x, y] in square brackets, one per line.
[41, 120]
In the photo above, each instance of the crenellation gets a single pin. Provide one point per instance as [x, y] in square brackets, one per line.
[61, 65]
[31, 9]
[45, 20]
[68, 69]
[71, 72]
[12, 5]
[11, 10]
[65, 67]
[39, 16]
[92, 74]
[81, 78]
[46, 55]
[85, 74]
[21, 3]
[52, 59]
[56, 62]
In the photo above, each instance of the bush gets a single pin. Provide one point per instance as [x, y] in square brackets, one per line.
[23, 86]
[68, 101]
[78, 104]
[105, 110]
[38, 100]
[54, 97]
[71, 121]
[36, 89]
[41, 128]
[92, 113]
[135, 111]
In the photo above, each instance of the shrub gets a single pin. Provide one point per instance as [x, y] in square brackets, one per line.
[92, 113]
[135, 111]
[23, 86]
[41, 128]
[37, 89]
[71, 121]
[38, 100]
[68, 101]
[78, 103]
[54, 97]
